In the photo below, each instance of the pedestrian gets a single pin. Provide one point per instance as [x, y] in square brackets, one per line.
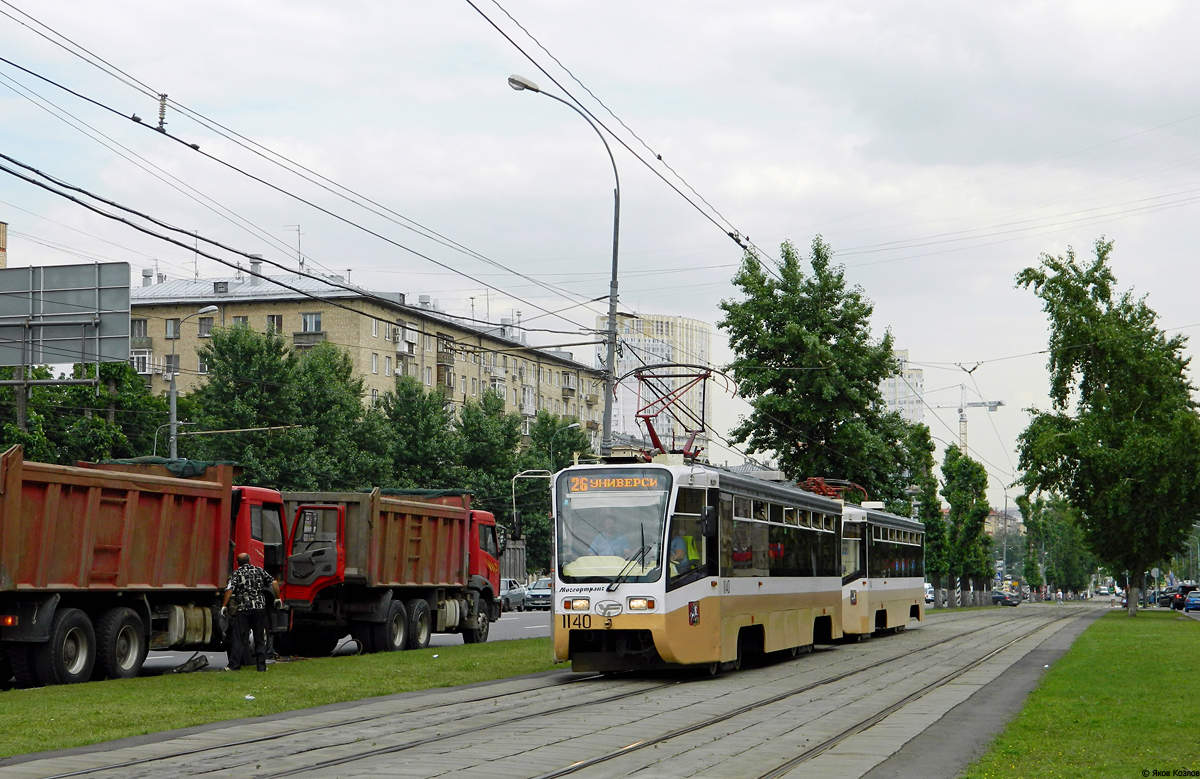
[248, 587]
[1058, 597]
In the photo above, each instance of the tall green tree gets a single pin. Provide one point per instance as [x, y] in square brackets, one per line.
[920, 464]
[966, 493]
[1122, 439]
[546, 433]
[423, 443]
[810, 367]
[488, 439]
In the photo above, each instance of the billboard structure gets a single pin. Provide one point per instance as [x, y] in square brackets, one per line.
[63, 314]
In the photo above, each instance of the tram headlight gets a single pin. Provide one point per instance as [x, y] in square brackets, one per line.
[577, 604]
[641, 604]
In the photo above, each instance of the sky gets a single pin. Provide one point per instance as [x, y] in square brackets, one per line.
[938, 148]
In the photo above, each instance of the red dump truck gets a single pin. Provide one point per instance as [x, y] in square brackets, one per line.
[103, 562]
[391, 567]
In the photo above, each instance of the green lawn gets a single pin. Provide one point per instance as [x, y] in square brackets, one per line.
[73, 715]
[1121, 703]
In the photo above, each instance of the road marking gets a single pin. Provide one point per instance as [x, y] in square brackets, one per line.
[537, 627]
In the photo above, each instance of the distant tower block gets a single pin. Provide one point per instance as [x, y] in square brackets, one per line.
[3, 244]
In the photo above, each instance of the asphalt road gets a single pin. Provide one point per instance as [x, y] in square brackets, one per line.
[511, 625]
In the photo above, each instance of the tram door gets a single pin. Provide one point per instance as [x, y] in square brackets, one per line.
[856, 603]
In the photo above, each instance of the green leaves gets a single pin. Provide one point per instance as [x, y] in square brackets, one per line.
[1122, 442]
[809, 365]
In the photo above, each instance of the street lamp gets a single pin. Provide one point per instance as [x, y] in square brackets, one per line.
[571, 426]
[520, 84]
[174, 422]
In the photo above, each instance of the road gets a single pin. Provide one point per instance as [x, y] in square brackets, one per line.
[845, 711]
[511, 625]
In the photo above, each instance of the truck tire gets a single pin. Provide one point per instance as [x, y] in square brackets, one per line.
[420, 623]
[70, 654]
[120, 645]
[20, 657]
[364, 634]
[479, 633]
[392, 634]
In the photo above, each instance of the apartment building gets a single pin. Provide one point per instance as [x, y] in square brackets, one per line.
[383, 334]
[904, 390]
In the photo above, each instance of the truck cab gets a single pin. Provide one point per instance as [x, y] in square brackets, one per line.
[485, 559]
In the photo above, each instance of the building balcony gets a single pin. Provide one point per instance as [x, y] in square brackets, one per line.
[568, 392]
[445, 358]
[141, 342]
[591, 398]
[529, 409]
[591, 424]
[307, 340]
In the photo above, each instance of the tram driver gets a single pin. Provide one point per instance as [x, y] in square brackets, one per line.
[608, 542]
[683, 558]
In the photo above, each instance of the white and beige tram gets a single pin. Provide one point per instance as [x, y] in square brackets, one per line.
[664, 564]
[883, 570]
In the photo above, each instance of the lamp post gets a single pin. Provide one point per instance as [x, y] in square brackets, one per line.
[571, 426]
[520, 83]
[174, 422]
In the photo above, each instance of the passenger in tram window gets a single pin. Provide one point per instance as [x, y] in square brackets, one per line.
[609, 542]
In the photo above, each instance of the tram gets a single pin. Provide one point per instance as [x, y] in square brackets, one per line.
[883, 571]
[668, 564]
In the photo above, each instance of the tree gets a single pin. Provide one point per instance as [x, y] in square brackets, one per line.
[966, 492]
[920, 462]
[533, 495]
[1122, 439]
[807, 362]
[488, 441]
[423, 444]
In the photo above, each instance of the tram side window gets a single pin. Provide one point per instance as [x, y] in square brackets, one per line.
[687, 548]
[725, 534]
[893, 559]
[852, 545]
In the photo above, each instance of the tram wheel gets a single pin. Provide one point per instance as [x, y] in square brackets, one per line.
[714, 669]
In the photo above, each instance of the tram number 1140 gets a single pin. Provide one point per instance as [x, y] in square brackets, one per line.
[583, 621]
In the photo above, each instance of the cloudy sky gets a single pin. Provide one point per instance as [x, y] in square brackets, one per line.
[940, 148]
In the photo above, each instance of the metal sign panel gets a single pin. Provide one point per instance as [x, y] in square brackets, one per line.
[64, 314]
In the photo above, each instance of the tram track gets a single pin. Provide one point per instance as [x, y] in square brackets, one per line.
[234, 757]
[257, 740]
[475, 729]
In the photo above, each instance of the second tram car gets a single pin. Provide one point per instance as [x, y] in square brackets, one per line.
[665, 564]
[883, 570]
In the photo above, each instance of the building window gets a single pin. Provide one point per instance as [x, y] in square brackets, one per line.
[203, 367]
[172, 329]
[374, 398]
[171, 363]
[310, 323]
[206, 323]
[375, 328]
[141, 360]
[387, 366]
[474, 386]
[274, 323]
[241, 321]
[428, 343]
[428, 376]
[387, 332]
[137, 328]
[464, 385]
[374, 363]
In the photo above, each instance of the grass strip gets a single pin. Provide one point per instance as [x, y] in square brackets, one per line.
[1121, 703]
[74, 715]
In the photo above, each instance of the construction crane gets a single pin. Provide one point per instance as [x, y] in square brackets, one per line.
[963, 405]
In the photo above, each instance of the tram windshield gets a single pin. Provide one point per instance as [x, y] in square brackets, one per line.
[610, 524]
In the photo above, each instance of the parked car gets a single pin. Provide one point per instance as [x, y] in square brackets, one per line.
[512, 595]
[1005, 598]
[1180, 596]
[1166, 596]
[928, 592]
[539, 595]
[1192, 601]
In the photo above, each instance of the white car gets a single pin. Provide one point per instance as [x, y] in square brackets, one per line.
[928, 592]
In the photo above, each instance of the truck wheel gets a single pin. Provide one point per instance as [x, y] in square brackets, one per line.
[420, 623]
[20, 657]
[479, 633]
[120, 645]
[364, 634]
[392, 634]
[70, 654]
